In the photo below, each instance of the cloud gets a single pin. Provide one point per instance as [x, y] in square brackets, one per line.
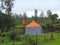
[29, 5]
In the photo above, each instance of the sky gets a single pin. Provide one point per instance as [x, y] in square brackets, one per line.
[28, 6]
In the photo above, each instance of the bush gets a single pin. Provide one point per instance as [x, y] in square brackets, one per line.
[3, 34]
[18, 38]
[12, 35]
[30, 40]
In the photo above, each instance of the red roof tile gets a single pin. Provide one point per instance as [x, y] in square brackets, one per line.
[32, 24]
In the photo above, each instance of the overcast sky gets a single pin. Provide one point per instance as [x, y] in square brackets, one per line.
[28, 6]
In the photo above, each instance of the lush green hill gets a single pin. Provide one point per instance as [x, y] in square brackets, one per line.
[30, 40]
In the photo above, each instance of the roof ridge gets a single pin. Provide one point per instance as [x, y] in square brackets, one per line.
[33, 24]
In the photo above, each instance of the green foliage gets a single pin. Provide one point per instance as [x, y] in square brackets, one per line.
[24, 16]
[54, 17]
[30, 40]
[49, 13]
[42, 14]
[4, 34]
[6, 22]
[52, 37]
[18, 38]
[12, 35]
[7, 4]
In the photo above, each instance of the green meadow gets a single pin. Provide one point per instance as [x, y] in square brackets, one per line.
[31, 39]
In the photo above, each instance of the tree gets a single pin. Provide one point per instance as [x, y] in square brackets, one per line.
[36, 14]
[6, 22]
[54, 16]
[49, 13]
[50, 25]
[17, 17]
[20, 17]
[7, 5]
[24, 15]
[2, 7]
[12, 36]
[42, 14]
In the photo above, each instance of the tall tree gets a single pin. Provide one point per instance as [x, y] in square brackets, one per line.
[24, 15]
[36, 14]
[7, 5]
[12, 36]
[6, 22]
[20, 17]
[49, 13]
[54, 16]
[42, 14]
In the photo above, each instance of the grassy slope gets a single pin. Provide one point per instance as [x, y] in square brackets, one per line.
[41, 41]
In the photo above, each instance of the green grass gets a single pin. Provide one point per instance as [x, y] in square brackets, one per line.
[32, 38]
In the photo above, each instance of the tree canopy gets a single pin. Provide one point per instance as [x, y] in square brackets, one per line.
[6, 22]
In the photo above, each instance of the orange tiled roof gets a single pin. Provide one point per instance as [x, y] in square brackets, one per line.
[32, 24]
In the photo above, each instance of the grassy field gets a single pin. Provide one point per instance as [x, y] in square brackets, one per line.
[31, 39]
